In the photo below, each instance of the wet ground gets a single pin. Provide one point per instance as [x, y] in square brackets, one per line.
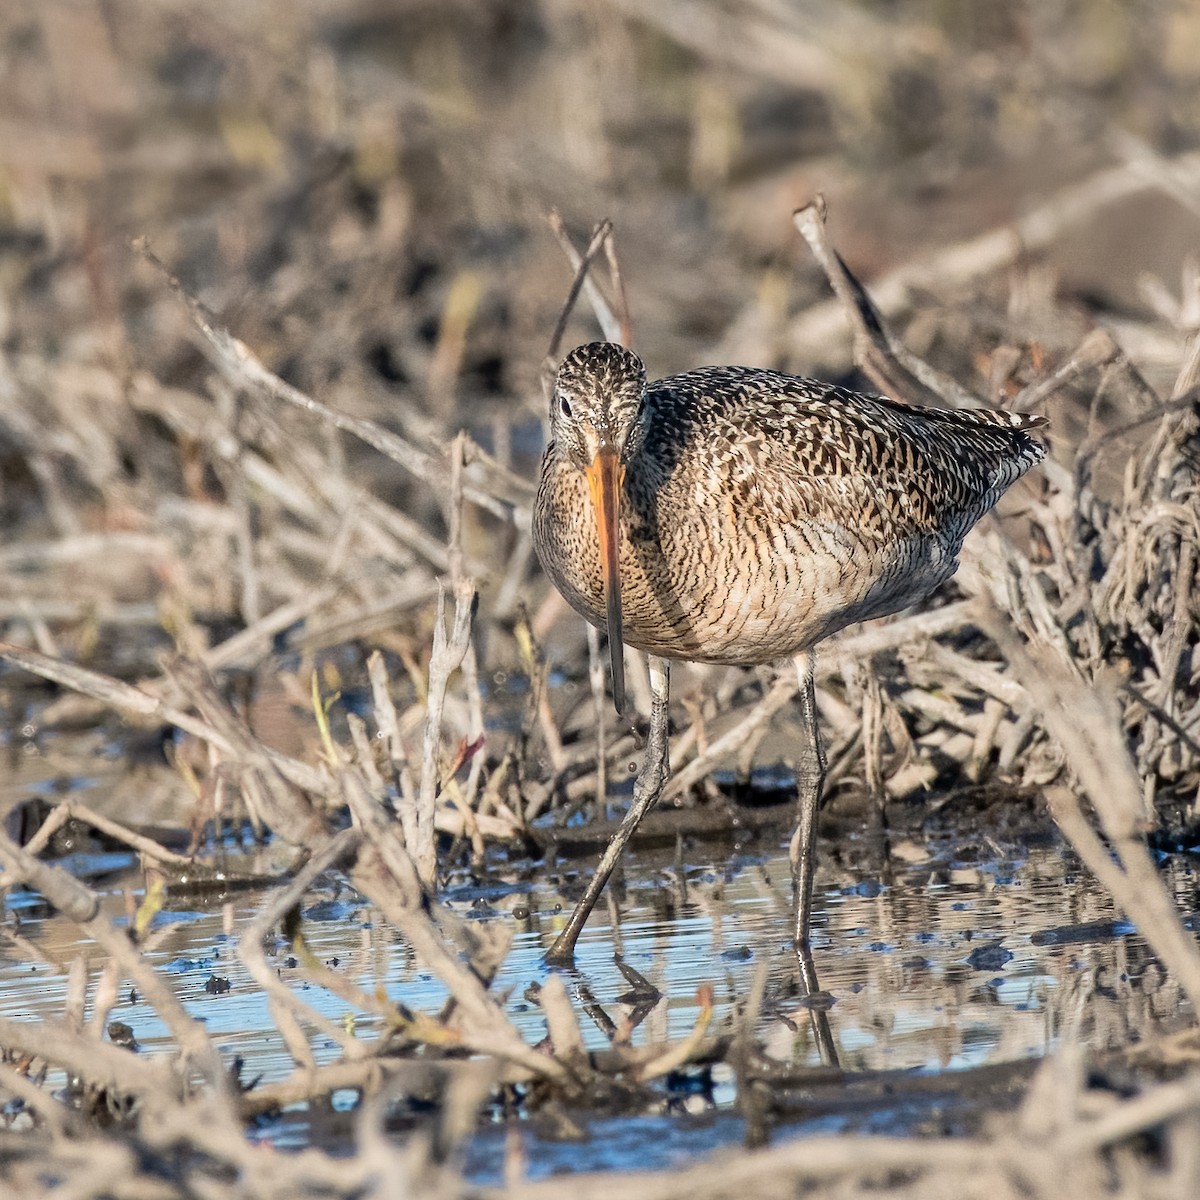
[953, 951]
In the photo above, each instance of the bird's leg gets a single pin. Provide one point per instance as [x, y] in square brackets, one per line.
[811, 779]
[650, 782]
[818, 1014]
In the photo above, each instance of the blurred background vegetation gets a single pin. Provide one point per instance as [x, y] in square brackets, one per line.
[358, 190]
[330, 176]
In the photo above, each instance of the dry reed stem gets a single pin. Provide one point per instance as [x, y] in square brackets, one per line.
[59, 1120]
[876, 349]
[147, 847]
[270, 793]
[80, 904]
[562, 1024]
[811, 336]
[506, 495]
[446, 657]
[1085, 723]
[581, 265]
[287, 1006]
[123, 697]
[103, 1065]
[775, 698]
[386, 873]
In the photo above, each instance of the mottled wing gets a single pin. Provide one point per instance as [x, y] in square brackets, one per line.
[802, 451]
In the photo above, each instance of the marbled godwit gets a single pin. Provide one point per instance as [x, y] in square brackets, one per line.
[733, 515]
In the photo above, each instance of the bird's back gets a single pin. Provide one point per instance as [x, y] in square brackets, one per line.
[892, 469]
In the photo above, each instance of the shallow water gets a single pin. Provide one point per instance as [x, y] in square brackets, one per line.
[933, 958]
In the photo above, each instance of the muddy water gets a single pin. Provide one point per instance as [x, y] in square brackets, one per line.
[935, 957]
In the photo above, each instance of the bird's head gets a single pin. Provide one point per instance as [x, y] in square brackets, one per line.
[597, 395]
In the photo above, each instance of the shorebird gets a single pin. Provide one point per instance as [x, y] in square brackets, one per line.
[735, 515]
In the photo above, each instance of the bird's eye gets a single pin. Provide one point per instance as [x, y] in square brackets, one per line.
[565, 405]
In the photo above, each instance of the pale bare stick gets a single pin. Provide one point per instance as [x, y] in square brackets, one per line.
[1153, 1108]
[284, 1000]
[386, 873]
[248, 645]
[58, 816]
[446, 657]
[80, 904]
[777, 697]
[101, 1063]
[1096, 350]
[388, 725]
[1082, 717]
[470, 665]
[145, 846]
[61, 1121]
[821, 327]
[672, 1057]
[1157, 169]
[506, 495]
[268, 791]
[624, 319]
[561, 1021]
[124, 697]
[890, 364]
[580, 264]
[887, 635]
[366, 1074]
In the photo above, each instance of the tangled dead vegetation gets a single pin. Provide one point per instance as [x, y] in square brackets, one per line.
[1068, 662]
[331, 619]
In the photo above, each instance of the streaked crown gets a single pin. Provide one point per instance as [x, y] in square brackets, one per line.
[598, 389]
